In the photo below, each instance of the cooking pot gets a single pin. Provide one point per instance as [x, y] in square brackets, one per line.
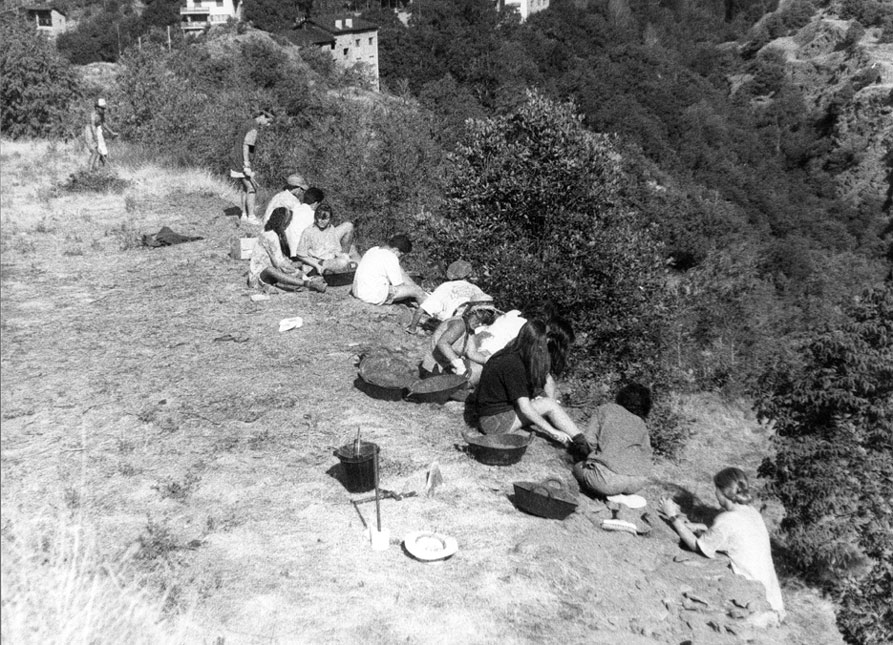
[497, 449]
[436, 389]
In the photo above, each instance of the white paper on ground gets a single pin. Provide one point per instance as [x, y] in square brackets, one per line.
[290, 323]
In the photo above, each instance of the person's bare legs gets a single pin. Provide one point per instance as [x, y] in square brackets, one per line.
[275, 276]
[248, 197]
[408, 292]
[94, 159]
[555, 414]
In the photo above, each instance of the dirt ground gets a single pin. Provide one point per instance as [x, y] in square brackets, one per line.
[208, 463]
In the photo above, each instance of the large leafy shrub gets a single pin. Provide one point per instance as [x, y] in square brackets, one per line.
[534, 203]
[39, 87]
[833, 469]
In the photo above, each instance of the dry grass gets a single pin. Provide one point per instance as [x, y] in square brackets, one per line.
[208, 465]
[57, 590]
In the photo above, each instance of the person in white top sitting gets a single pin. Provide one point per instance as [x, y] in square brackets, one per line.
[269, 266]
[289, 197]
[326, 248]
[739, 532]
[445, 301]
[380, 280]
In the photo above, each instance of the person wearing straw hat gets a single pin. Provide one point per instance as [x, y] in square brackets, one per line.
[445, 301]
[95, 133]
[241, 160]
[289, 197]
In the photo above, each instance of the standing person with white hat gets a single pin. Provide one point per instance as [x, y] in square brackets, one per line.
[95, 135]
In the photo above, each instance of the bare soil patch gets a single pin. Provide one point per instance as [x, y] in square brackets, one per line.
[209, 464]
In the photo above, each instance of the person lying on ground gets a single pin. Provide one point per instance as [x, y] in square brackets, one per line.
[290, 196]
[617, 447]
[241, 159]
[325, 248]
[738, 531]
[303, 218]
[448, 297]
[380, 280]
[450, 351]
[270, 266]
[510, 394]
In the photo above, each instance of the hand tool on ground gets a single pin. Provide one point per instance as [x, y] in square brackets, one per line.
[384, 493]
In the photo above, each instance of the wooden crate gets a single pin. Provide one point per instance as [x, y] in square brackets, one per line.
[242, 248]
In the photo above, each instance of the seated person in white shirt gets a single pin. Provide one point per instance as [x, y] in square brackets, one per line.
[326, 248]
[449, 296]
[289, 197]
[380, 280]
[302, 218]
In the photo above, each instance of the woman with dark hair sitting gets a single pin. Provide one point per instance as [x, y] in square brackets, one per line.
[619, 458]
[269, 259]
[512, 379]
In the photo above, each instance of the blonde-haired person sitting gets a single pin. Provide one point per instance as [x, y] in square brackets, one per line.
[738, 531]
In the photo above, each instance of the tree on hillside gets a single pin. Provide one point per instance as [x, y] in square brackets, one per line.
[271, 15]
[833, 470]
[534, 202]
[39, 86]
[103, 36]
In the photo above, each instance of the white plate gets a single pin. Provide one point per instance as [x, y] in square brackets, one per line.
[428, 546]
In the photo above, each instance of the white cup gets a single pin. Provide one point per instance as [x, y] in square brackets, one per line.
[380, 539]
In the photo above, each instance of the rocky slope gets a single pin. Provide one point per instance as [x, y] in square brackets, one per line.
[850, 82]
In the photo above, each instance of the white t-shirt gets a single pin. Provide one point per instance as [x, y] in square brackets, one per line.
[449, 296]
[301, 218]
[504, 329]
[284, 198]
[741, 533]
[378, 270]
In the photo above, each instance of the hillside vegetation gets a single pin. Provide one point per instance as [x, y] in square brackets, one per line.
[701, 192]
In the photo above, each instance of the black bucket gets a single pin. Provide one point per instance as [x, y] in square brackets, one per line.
[359, 466]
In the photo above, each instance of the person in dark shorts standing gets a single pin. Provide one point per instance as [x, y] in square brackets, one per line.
[241, 162]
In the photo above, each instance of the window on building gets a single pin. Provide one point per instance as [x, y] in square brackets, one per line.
[332, 46]
[345, 51]
[198, 4]
[370, 41]
[357, 42]
[219, 3]
[44, 19]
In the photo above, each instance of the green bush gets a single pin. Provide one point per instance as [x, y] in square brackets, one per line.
[534, 202]
[39, 86]
[833, 469]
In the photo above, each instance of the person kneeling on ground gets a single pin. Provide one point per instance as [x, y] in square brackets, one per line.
[451, 350]
[739, 531]
[380, 280]
[270, 266]
[618, 445]
[326, 248]
[445, 301]
[290, 196]
[508, 395]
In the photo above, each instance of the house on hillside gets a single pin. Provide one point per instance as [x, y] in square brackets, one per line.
[195, 15]
[47, 19]
[348, 39]
[525, 7]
